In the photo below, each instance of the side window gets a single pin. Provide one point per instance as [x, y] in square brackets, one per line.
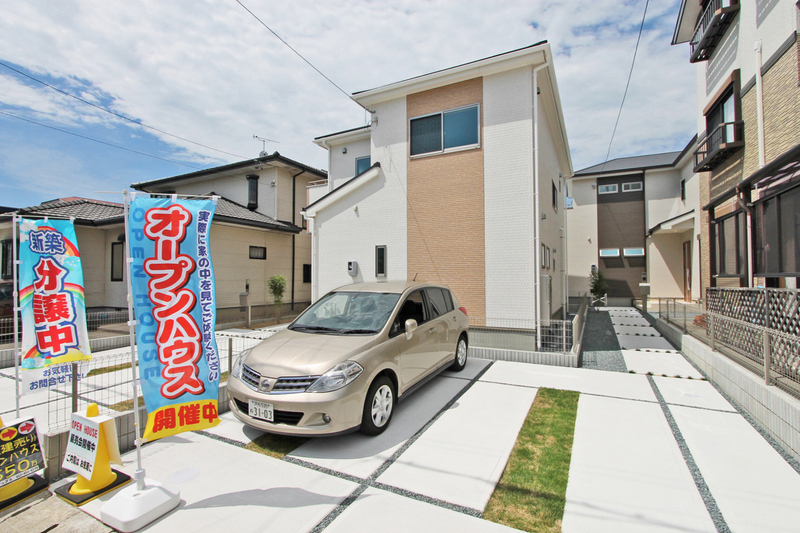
[440, 302]
[117, 261]
[413, 307]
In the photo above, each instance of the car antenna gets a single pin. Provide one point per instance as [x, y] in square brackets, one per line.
[415, 277]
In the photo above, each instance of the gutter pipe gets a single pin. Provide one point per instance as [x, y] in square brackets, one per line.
[537, 311]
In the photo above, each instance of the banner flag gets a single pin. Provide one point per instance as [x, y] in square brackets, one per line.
[51, 295]
[172, 280]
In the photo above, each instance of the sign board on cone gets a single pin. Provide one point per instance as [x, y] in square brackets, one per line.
[83, 442]
[20, 453]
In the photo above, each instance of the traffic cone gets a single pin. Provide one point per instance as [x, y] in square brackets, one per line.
[102, 475]
[103, 479]
[21, 489]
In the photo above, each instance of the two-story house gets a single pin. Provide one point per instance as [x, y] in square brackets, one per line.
[636, 220]
[459, 178]
[747, 58]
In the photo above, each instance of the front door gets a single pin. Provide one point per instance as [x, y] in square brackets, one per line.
[687, 271]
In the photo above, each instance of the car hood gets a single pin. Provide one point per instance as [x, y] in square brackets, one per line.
[295, 353]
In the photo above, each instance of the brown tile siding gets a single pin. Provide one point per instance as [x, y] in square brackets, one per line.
[446, 241]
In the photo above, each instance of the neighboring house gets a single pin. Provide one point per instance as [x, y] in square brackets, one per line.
[256, 233]
[747, 57]
[257, 230]
[636, 220]
[459, 179]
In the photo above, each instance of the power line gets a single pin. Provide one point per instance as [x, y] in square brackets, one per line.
[630, 74]
[99, 141]
[101, 108]
[303, 58]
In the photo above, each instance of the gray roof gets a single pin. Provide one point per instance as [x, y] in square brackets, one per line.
[625, 164]
[84, 210]
[230, 211]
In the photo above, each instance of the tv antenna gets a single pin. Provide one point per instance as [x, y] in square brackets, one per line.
[264, 145]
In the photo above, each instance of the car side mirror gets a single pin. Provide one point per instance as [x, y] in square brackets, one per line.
[411, 325]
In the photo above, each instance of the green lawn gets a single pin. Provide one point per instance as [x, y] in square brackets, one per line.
[532, 492]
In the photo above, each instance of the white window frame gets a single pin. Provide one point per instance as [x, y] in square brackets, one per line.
[609, 252]
[633, 252]
[629, 187]
[446, 150]
[378, 273]
[613, 189]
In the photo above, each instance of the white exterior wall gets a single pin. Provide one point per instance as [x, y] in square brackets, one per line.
[508, 195]
[235, 188]
[662, 196]
[341, 166]
[582, 243]
[342, 234]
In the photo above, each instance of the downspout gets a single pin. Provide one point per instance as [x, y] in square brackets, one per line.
[537, 311]
[294, 236]
[762, 160]
[749, 213]
[312, 229]
[328, 148]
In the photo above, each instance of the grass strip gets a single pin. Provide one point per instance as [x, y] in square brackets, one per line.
[126, 405]
[531, 495]
[107, 369]
[276, 446]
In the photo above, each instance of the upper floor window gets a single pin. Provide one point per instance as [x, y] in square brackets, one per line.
[724, 127]
[555, 197]
[630, 187]
[607, 189]
[362, 164]
[683, 190]
[440, 132]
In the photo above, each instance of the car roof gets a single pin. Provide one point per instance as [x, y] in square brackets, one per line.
[394, 287]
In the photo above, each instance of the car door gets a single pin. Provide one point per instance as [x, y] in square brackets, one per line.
[417, 352]
[441, 307]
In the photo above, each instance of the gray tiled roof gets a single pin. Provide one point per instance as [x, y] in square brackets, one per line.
[81, 208]
[639, 162]
[230, 209]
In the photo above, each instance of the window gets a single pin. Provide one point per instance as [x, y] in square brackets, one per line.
[555, 197]
[730, 246]
[630, 187]
[362, 164]
[380, 261]
[7, 258]
[440, 301]
[683, 190]
[445, 131]
[306, 273]
[633, 252]
[412, 308]
[568, 202]
[609, 252]
[258, 252]
[117, 261]
[252, 192]
[777, 235]
[607, 189]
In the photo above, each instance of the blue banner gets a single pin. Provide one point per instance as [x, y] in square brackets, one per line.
[172, 280]
[51, 295]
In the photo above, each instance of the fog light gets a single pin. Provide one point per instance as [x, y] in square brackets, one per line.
[326, 418]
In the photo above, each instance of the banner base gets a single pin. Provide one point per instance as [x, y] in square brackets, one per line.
[38, 485]
[133, 508]
[79, 499]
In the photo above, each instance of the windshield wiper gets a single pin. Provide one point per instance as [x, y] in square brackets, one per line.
[314, 328]
[356, 331]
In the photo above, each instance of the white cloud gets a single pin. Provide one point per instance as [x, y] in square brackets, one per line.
[209, 72]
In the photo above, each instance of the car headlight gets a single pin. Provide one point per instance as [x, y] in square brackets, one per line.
[337, 377]
[236, 371]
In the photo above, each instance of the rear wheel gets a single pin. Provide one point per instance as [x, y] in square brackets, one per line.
[378, 406]
[461, 355]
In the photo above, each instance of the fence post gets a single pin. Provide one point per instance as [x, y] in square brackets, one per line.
[767, 357]
[711, 331]
[230, 356]
[684, 317]
[74, 387]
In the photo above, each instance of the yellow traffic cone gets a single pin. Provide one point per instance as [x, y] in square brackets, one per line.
[102, 475]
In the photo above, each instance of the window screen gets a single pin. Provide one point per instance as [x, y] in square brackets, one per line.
[426, 135]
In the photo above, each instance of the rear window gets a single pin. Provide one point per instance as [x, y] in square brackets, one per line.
[441, 301]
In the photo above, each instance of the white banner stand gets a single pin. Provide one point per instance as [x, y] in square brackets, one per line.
[146, 500]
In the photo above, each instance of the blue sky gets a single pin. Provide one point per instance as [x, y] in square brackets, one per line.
[208, 72]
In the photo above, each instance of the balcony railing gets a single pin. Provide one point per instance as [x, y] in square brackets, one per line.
[711, 27]
[715, 147]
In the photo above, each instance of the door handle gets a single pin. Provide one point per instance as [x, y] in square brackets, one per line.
[431, 330]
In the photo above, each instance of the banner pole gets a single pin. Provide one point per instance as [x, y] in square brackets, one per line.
[16, 309]
[140, 473]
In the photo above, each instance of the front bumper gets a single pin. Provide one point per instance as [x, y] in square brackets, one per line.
[301, 414]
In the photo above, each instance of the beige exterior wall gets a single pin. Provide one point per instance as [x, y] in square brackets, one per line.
[582, 244]
[446, 198]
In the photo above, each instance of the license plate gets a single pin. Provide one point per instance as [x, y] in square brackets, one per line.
[262, 410]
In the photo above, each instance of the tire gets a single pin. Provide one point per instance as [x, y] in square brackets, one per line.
[378, 406]
[461, 355]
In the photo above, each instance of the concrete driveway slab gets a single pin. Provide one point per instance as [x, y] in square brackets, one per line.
[629, 320]
[642, 331]
[754, 487]
[671, 364]
[692, 393]
[380, 511]
[615, 384]
[244, 492]
[629, 342]
[232, 429]
[360, 455]
[627, 473]
[462, 456]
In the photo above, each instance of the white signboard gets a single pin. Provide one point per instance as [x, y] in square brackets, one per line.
[83, 442]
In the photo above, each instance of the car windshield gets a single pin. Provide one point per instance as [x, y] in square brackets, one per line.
[347, 313]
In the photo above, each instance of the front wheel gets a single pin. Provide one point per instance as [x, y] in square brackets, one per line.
[461, 355]
[378, 406]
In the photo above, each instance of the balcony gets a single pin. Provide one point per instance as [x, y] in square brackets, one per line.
[711, 27]
[715, 147]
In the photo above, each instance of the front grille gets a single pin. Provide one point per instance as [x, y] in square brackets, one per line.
[295, 384]
[250, 376]
[290, 418]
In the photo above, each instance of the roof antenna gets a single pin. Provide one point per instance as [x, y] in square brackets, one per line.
[415, 277]
[264, 145]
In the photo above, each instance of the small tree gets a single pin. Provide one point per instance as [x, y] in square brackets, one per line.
[597, 284]
[277, 286]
